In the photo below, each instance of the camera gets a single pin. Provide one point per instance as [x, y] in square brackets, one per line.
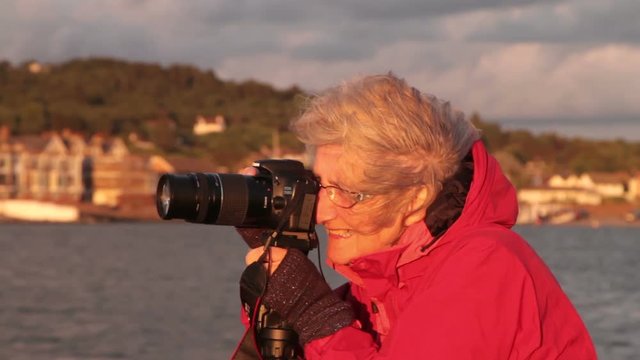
[281, 199]
[279, 202]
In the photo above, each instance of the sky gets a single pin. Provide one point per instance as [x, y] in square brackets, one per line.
[567, 65]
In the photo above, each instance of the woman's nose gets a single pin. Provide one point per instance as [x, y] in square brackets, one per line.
[326, 209]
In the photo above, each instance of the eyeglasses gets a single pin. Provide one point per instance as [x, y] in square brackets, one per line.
[344, 198]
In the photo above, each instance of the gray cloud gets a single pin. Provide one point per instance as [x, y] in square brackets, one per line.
[583, 21]
[522, 59]
[214, 30]
[411, 9]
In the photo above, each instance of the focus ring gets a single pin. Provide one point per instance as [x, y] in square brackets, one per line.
[233, 209]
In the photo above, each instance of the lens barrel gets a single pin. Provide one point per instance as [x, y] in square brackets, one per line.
[212, 198]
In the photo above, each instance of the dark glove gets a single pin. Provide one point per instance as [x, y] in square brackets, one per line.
[254, 237]
[298, 293]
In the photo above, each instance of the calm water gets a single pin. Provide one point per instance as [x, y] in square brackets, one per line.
[169, 291]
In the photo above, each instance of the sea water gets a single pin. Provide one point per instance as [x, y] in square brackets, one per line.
[170, 290]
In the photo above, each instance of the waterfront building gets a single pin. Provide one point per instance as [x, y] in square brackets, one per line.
[209, 125]
[608, 185]
[63, 167]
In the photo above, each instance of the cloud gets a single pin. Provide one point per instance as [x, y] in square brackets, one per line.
[505, 59]
[577, 21]
[500, 81]
[351, 29]
[545, 81]
[383, 10]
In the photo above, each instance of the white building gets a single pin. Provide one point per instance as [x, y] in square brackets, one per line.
[547, 195]
[208, 125]
[608, 185]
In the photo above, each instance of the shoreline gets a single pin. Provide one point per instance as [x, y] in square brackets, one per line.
[587, 223]
[144, 211]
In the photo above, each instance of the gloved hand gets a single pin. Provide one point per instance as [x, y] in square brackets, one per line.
[299, 294]
[254, 237]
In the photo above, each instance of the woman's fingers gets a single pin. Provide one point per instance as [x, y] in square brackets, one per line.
[276, 256]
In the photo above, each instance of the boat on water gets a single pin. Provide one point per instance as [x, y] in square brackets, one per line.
[38, 211]
[563, 216]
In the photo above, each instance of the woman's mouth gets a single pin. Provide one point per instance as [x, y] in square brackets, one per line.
[339, 234]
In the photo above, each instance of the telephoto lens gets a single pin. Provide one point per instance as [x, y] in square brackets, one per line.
[211, 198]
[281, 199]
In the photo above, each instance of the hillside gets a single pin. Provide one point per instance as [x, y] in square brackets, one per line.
[160, 103]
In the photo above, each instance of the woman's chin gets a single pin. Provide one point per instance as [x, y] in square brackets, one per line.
[337, 258]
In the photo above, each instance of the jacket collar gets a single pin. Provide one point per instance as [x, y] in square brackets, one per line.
[380, 269]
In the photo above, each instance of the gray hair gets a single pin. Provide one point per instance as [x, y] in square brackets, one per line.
[400, 136]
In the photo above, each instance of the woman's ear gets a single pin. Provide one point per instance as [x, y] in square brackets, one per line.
[417, 207]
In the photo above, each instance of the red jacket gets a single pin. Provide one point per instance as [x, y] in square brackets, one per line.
[480, 292]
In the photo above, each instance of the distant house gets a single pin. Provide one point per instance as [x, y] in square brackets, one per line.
[608, 185]
[44, 167]
[64, 167]
[35, 67]
[116, 173]
[208, 125]
[611, 185]
[540, 202]
[633, 192]
[568, 195]
[7, 165]
[571, 181]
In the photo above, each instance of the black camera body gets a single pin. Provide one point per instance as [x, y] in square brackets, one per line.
[281, 199]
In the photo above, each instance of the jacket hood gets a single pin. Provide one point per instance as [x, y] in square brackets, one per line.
[492, 199]
[488, 198]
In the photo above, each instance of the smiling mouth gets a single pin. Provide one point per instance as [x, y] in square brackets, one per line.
[343, 234]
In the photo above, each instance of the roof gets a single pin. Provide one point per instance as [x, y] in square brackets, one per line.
[31, 143]
[609, 178]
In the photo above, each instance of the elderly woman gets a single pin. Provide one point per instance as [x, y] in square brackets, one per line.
[418, 217]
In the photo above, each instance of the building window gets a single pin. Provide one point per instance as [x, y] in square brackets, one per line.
[64, 181]
[46, 165]
[43, 181]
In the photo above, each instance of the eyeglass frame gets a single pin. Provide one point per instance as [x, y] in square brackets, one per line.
[355, 196]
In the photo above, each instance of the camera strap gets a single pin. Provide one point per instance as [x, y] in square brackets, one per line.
[268, 333]
[252, 285]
